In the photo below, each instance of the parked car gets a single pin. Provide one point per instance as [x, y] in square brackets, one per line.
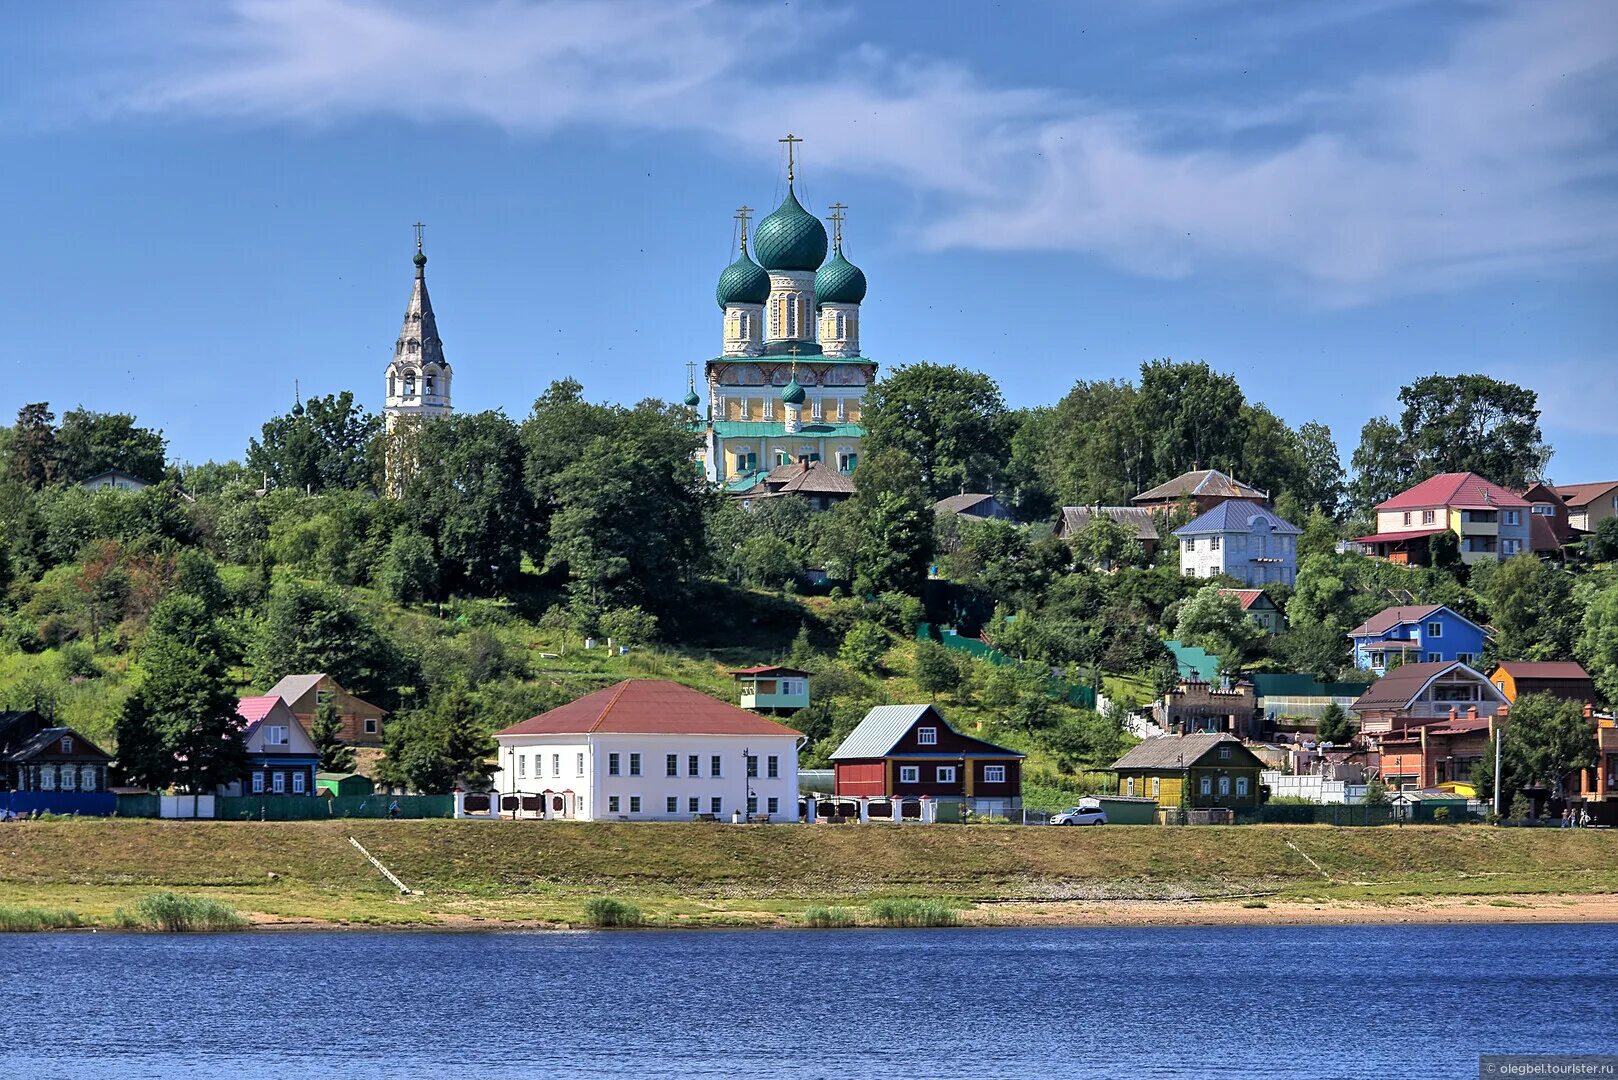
[1081, 815]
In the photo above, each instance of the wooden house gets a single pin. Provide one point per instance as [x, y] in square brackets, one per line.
[908, 751]
[772, 689]
[361, 722]
[1196, 771]
[1260, 608]
[39, 755]
[281, 757]
[1565, 679]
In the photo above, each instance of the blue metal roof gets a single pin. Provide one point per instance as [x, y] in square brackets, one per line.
[1236, 515]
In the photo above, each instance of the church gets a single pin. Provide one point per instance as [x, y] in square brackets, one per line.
[788, 387]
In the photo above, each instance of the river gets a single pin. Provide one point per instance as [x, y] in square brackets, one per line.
[1327, 1002]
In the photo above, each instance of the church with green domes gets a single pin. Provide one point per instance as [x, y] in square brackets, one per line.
[789, 384]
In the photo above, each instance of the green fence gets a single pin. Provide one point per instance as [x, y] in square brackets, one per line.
[315, 808]
[1361, 814]
[138, 805]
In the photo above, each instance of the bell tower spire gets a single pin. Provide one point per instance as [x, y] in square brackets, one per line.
[418, 376]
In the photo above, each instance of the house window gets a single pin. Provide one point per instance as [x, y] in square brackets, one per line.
[716, 805]
[910, 774]
[994, 774]
[1435, 629]
[1510, 547]
[1407, 517]
[1157, 786]
[1206, 787]
[1544, 509]
[926, 736]
[1464, 657]
[1129, 786]
[1188, 544]
[67, 744]
[258, 783]
[946, 774]
[522, 765]
[1224, 753]
[752, 804]
[714, 765]
[581, 764]
[1213, 543]
[612, 804]
[1189, 571]
[1224, 785]
[370, 725]
[1428, 517]
[674, 804]
[297, 783]
[69, 777]
[694, 804]
[1510, 517]
[634, 764]
[693, 765]
[752, 765]
[772, 767]
[774, 806]
[556, 765]
[612, 765]
[671, 766]
[1435, 658]
[278, 783]
[1241, 786]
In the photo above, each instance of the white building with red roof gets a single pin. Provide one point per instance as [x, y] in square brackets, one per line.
[1489, 522]
[649, 750]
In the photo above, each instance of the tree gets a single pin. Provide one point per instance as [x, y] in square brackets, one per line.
[435, 748]
[466, 495]
[1382, 467]
[936, 671]
[1545, 739]
[89, 443]
[1472, 423]
[180, 724]
[1320, 480]
[1213, 619]
[1197, 417]
[1097, 447]
[629, 626]
[320, 445]
[895, 518]
[1602, 546]
[32, 462]
[314, 628]
[1598, 643]
[409, 571]
[1531, 610]
[1271, 456]
[1376, 793]
[768, 561]
[1107, 544]
[863, 647]
[327, 733]
[947, 419]
[1313, 648]
[1334, 726]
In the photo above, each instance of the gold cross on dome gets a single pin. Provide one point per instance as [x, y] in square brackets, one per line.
[418, 227]
[789, 140]
[837, 217]
[744, 214]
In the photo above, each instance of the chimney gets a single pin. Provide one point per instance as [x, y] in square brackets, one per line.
[1472, 712]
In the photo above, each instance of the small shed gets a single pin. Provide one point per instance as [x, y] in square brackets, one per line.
[339, 784]
[1122, 810]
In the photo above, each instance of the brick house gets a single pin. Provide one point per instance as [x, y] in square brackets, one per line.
[908, 751]
[1427, 724]
[1195, 707]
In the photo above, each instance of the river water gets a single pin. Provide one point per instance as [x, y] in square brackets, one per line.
[1328, 1002]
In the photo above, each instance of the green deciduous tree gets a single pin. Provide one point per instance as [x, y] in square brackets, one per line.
[1598, 641]
[1108, 545]
[863, 646]
[936, 670]
[947, 419]
[1545, 740]
[1196, 415]
[409, 571]
[432, 749]
[895, 516]
[89, 442]
[629, 626]
[311, 628]
[1214, 620]
[321, 444]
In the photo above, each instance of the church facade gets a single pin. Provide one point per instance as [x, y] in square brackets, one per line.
[789, 384]
[418, 379]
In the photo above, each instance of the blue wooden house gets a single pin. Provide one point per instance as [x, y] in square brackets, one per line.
[1416, 634]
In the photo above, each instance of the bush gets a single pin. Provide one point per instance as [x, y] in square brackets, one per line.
[176, 914]
[912, 912]
[605, 911]
[828, 918]
[18, 919]
[862, 649]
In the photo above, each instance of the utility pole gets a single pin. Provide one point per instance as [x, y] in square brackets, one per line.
[1497, 740]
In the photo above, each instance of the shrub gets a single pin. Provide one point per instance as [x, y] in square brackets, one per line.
[176, 914]
[17, 919]
[605, 911]
[912, 912]
[828, 918]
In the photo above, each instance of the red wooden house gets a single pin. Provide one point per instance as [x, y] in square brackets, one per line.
[910, 750]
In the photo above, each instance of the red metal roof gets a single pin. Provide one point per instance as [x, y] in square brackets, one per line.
[1543, 669]
[1583, 494]
[1246, 597]
[1396, 537]
[769, 669]
[254, 709]
[1464, 490]
[648, 707]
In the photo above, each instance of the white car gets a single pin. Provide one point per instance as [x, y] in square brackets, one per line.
[1081, 815]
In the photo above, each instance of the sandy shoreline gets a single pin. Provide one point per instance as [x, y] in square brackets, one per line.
[1490, 910]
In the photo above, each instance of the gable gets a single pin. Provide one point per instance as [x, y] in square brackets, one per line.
[279, 715]
[892, 730]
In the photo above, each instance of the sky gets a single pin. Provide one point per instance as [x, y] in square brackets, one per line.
[209, 206]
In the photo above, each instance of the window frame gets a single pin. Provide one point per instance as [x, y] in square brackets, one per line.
[673, 804]
[615, 763]
[278, 782]
[693, 765]
[910, 774]
[944, 774]
[994, 774]
[927, 736]
[299, 782]
[671, 764]
[634, 763]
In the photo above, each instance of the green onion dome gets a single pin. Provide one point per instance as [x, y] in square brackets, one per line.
[792, 393]
[743, 282]
[692, 398]
[839, 282]
[791, 238]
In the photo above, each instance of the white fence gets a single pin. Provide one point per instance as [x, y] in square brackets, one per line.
[185, 806]
[1315, 789]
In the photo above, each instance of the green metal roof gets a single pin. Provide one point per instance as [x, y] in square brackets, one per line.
[792, 393]
[743, 282]
[839, 282]
[802, 358]
[791, 238]
[735, 429]
[746, 480]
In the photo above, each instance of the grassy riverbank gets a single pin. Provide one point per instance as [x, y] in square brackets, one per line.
[477, 873]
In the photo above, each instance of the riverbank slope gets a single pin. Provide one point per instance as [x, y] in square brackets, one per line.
[472, 873]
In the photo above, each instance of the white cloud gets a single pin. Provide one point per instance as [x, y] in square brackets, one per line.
[1497, 158]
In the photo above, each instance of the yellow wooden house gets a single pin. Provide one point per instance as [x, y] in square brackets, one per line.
[1212, 769]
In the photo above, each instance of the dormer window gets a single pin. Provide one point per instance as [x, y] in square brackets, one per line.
[1224, 753]
[926, 736]
[67, 744]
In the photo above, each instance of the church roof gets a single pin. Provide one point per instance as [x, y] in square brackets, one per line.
[791, 238]
[420, 325]
[743, 282]
[839, 281]
[737, 429]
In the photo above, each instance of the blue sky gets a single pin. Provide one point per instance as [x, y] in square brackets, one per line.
[208, 201]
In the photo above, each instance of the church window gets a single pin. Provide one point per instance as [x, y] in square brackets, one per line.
[769, 408]
[817, 410]
[842, 410]
[393, 389]
[842, 325]
[744, 325]
[410, 386]
[783, 458]
[792, 318]
[778, 316]
[846, 460]
[429, 385]
[746, 461]
[733, 324]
